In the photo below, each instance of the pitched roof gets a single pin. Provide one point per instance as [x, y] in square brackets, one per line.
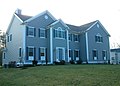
[115, 50]
[81, 28]
[23, 17]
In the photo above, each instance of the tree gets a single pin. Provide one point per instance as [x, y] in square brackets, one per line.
[2, 44]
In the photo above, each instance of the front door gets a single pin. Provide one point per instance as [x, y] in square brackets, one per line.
[60, 53]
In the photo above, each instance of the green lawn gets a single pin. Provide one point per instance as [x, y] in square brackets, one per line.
[62, 75]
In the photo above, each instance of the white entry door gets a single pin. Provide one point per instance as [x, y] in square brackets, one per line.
[60, 53]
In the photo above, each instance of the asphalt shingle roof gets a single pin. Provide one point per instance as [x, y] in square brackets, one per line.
[81, 28]
[23, 17]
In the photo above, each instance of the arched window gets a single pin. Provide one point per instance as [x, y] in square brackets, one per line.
[60, 33]
[98, 38]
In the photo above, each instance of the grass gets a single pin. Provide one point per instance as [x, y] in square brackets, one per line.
[62, 75]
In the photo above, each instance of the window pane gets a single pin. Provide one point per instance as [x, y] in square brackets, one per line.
[31, 31]
[76, 53]
[42, 51]
[59, 33]
[20, 52]
[30, 52]
[94, 53]
[42, 32]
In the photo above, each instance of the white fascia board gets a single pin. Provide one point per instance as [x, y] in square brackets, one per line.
[51, 15]
[103, 27]
[63, 24]
[40, 14]
[92, 26]
[59, 20]
[18, 18]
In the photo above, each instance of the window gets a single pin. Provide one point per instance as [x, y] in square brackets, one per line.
[46, 17]
[30, 53]
[3, 55]
[30, 31]
[70, 53]
[42, 32]
[76, 54]
[99, 38]
[70, 37]
[104, 55]
[20, 52]
[10, 37]
[95, 54]
[60, 33]
[76, 37]
[42, 53]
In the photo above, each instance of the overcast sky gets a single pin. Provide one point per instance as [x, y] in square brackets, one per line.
[75, 12]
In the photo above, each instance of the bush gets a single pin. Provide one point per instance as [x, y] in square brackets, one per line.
[62, 62]
[56, 63]
[12, 64]
[79, 61]
[34, 62]
[72, 62]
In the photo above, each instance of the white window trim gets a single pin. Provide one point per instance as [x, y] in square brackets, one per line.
[33, 52]
[77, 37]
[44, 53]
[78, 53]
[95, 58]
[99, 35]
[57, 58]
[71, 36]
[33, 31]
[105, 58]
[59, 29]
[44, 34]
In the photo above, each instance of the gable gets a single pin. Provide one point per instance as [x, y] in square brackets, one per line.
[58, 23]
[40, 21]
[98, 28]
[43, 13]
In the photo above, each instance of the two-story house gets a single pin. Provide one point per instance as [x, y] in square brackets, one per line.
[44, 38]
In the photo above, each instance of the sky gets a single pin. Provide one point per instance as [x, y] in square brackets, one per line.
[75, 12]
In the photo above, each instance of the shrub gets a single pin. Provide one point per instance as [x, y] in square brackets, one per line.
[62, 62]
[56, 63]
[12, 64]
[72, 62]
[34, 62]
[79, 61]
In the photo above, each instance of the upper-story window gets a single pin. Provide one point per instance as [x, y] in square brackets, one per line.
[10, 37]
[60, 33]
[76, 37]
[30, 31]
[98, 38]
[42, 33]
[70, 37]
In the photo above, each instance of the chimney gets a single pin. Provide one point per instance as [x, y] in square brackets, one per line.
[18, 11]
